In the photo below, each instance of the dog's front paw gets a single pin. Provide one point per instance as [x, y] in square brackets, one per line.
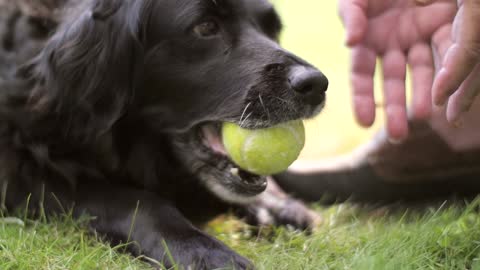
[275, 207]
[204, 252]
[290, 213]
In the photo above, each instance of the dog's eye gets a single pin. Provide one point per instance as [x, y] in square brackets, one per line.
[206, 29]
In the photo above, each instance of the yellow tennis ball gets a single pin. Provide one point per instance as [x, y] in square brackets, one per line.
[264, 151]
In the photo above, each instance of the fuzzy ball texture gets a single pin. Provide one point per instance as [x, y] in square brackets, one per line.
[264, 151]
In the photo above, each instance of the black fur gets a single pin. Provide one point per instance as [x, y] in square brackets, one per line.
[102, 104]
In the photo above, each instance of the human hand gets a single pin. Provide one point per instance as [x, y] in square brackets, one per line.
[458, 80]
[399, 32]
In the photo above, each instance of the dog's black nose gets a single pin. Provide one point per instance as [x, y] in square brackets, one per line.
[308, 81]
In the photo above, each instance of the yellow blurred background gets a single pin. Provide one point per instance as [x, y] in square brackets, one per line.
[312, 30]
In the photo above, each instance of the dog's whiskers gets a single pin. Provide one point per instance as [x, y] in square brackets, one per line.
[282, 100]
[244, 111]
[288, 104]
[246, 118]
[264, 107]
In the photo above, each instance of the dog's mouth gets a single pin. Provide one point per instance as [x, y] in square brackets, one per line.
[236, 183]
[201, 150]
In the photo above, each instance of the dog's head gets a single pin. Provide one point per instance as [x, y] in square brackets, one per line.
[181, 68]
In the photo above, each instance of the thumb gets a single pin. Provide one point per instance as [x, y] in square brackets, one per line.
[468, 28]
[464, 54]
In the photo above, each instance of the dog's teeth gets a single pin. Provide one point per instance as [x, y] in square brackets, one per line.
[235, 171]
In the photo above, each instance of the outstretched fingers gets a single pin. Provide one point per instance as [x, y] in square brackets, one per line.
[420, 61]
[354, 17]
[362, 73]
[394, 72]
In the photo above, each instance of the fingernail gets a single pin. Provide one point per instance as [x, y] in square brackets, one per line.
[348, 39]
[396, 141]
[440, 101]
[459, 122]
[423, 2]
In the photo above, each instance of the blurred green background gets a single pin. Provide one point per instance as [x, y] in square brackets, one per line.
[313, 30]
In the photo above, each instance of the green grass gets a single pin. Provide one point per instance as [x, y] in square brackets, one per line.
[59, 244]
[353, 238]
[350, 238]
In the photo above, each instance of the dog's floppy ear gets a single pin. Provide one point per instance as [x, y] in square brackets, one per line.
[88, 71]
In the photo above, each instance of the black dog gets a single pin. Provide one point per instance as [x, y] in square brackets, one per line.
[114, 108]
